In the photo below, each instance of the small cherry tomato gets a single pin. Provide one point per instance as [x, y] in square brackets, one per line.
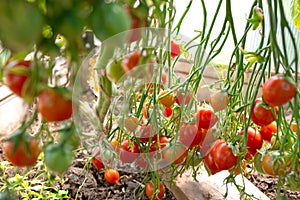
[175, 49]
[206, 118]
[254, 140]
[97, 162]
[15, 81]
[22, 152]
[153, 192]
[168, 112]
[112, 176]
[268, 131]
[129, 151]
[167, 99]
[277, 91]
[209, 157]
[260, 115]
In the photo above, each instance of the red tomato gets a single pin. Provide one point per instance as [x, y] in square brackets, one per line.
[223, 156]
[21, 156]
[166, 100]
[15, 82]
[268, 131]
[277, 91]
[175, 49]
[206, 118]
[129, 151]
[97, 162]
[112, 176]
[209, 157]
[180, 98]
[168, 112]
[175, 154]
[152, 193]
[260, 115]
[131, 60]
[158, 145]
[151, 85]
[146, 133]
[190, 136]
[164, 78]
[53, 106]
[254, 140]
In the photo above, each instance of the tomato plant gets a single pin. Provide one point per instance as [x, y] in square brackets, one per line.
[260, 115]
[15, 80]
[206, 117]
[153, 192]
[53, 106]
[112, 176]
[277, 91]
[22, 150]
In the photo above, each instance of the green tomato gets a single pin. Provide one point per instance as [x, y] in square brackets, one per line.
[109, 19]
[21, 24]
[114, 71]
[258, 163]
[193, 159]
[58, 157]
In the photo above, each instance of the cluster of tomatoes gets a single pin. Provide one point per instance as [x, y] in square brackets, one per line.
[53, 103]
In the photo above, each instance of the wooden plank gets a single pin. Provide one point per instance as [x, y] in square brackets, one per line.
[211, 187]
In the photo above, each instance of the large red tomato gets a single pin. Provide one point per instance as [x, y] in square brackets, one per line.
[206, 118]
[15, 81]
[277, 91]
[53, 106]
[152, 193]
[223, 156]
[209, 157]
[260, 115]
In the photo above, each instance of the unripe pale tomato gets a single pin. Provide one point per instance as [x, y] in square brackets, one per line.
[219, 100]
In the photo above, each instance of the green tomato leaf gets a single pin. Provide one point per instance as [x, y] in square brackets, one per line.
[296, 13]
